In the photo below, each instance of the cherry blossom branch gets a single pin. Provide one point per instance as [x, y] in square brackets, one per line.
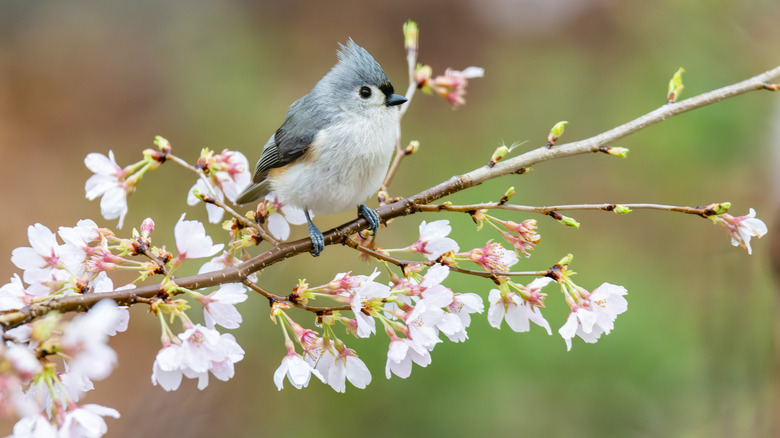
[213, 199]
[292, 301]
[404, 207]
[379, 255]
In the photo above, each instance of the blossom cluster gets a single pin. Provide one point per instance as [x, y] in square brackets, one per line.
[76, 262]
[224, 176]
[451, 85]
[417, 311]
[412, 313]
[47, 401]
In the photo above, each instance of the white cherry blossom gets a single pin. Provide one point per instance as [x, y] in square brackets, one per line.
[282, 216]
[192, 241]
[400, 355]
[108, 182]
[219, 306]
[86, 343]
[596, 315]
[297, 371]
[338, 367]
[86, 422]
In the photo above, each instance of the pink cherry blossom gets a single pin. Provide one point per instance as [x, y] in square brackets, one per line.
[451, 85]
[742, 228]
[522, 236]
[433, 241]
[227, 173]
[200, 350]
[493, 257]
[203, 350]
[462, 306]
[45, 260]
[421, 322]
[517, 311]
[147, 227]
[85, 232]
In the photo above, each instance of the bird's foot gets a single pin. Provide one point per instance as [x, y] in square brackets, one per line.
[371, 216]
[317, 238]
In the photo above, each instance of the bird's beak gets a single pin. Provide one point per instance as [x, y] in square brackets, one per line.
[395, 99]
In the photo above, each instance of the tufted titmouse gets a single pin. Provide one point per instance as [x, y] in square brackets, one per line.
[334, 147]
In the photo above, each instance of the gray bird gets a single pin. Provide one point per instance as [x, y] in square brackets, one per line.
[334, 147]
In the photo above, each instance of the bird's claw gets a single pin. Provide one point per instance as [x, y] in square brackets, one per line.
[371, 216]
[317, 240]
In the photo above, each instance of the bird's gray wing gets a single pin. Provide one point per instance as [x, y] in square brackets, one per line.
[292, 140]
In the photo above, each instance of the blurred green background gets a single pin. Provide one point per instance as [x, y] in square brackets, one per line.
[695, 355]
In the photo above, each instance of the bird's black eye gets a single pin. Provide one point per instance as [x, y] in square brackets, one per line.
[365, 92]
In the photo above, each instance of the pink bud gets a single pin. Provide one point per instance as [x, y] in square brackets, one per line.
[147, 226]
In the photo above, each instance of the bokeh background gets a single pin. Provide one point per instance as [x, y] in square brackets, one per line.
[695, 355]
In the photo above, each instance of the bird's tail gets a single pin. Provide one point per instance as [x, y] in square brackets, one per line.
[254, 192]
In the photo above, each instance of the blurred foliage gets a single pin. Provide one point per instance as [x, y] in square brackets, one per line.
[695, 355]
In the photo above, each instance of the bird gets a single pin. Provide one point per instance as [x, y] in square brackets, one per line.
[334, 147]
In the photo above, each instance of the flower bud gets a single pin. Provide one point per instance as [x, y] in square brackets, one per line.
[555, 133]
[499, 154]
[566, 220]
[720, 208]
[616, 151]
[147, 226]
[478, 216]
[566, 260]
[411, 35]
[675, 86]
[422, 76]
[508, 194]
[621, 209]
[162, 144]
[413, 147]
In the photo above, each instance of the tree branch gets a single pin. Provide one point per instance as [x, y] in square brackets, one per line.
[403, 207]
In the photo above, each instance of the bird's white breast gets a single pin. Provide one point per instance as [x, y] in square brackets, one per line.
[347, 164]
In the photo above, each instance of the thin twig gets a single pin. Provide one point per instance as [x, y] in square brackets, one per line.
[703, 211]
[403, 263]
[158, 261]
[213, 199]
[314, 309]
[411, 61]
